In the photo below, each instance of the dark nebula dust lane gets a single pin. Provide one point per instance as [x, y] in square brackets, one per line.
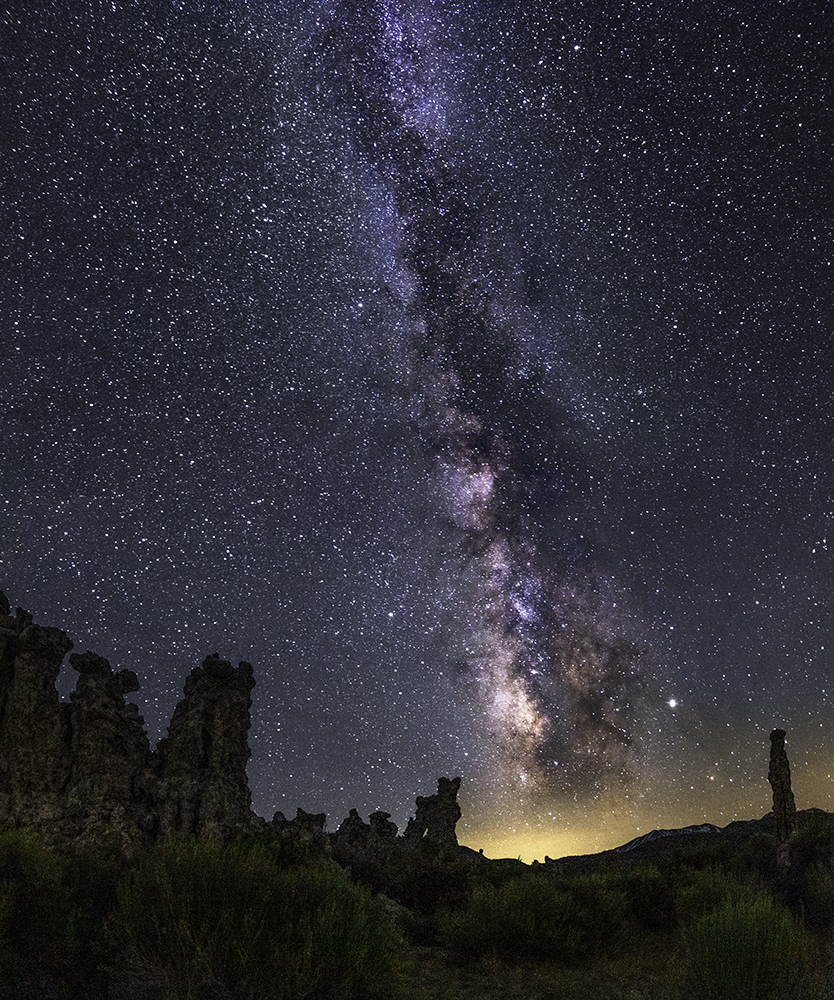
[470, 374]
[556, 688]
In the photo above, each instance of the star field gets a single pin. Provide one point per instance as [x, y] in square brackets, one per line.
[468, 372]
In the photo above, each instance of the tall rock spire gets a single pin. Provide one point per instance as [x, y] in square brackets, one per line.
[779, 776]
[201, 763]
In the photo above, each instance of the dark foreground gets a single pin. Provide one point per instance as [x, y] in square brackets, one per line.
[734, 914]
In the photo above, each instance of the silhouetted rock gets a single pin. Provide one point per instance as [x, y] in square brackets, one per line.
[353, 834]
[779, 776]
[381, 827]
[355, 837]
[110, 785]
[74, 770]
[68, 770]
[437, 815]
[306, 826]
[201, 763]
[34, 726]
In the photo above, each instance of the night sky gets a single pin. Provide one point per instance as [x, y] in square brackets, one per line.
[468, 368]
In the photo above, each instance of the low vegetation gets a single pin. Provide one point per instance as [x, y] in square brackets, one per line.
[193, 919]
[749, 948]
[272, 917]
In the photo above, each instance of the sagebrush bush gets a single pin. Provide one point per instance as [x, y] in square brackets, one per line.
[700, 892]
[748, 948]
[815, 833]
[649, 894]
[537, 917]
[199, 913]
[34, 906]
[817, 895]
[422, 877]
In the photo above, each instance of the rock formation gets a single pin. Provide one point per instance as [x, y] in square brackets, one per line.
[435, 820]
[306, 826]
[110, 783]
[201, 763]
[437, 815]
[382, 829]
[353, 834]
[356, 835]
[35, 733]
[77, 769]
[779, 776]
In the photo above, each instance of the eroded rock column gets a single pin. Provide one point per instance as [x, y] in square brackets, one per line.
[437, 815]
[779, 776]
[110, 786]
[201, 763]
[34, 725]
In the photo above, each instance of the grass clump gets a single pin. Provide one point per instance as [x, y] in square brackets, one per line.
[52, 907]
[701, 892]
[33, 905]
[536, 917]
[198, 913]
[817, 898]
[748, 948]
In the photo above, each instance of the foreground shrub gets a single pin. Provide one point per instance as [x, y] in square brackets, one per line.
[422, 877]
[197, 913]
[650, 896]
[817, 899]
[33, 905]
[749, 948]
[538, 918]
[701, 892]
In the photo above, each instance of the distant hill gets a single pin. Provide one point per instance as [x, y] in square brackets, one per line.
[659, 834]
[660, 843]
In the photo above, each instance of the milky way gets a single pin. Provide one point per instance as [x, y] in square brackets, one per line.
[552, 685]
[469, 373]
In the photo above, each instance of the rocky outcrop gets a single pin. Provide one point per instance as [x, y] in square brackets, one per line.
[356, 835]
[201, 763]
[437, 815]
[35, 734]
[779, 776]
[353, 834]
[382, 829]
[111, 785]
[78, 769]
[74, 770]
[306, 826]
[435, 821]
